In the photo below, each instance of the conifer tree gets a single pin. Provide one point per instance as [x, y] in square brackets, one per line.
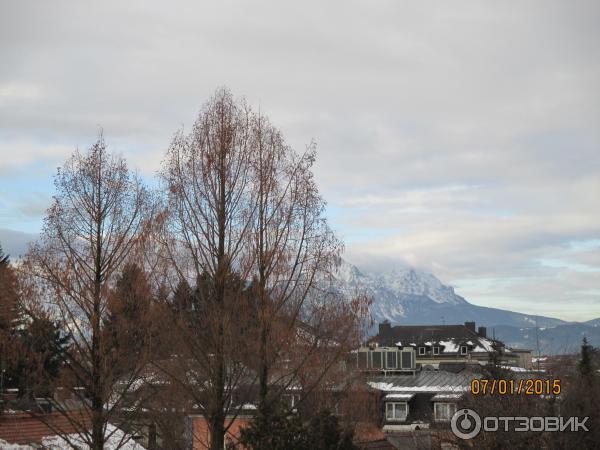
[585, 365]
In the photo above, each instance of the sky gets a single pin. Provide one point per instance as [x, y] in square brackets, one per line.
[458, 137]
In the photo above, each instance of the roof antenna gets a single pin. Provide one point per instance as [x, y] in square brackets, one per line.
[537, 343]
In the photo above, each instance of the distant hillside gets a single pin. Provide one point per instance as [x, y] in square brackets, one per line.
[411, 296]
[561, 339]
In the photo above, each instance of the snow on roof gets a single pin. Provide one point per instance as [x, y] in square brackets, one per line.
[449, 346]
[446, 396]
[515, 369]
[117, 439]
[486, 344]
[433, 388]
[428, 381]
[404, 396]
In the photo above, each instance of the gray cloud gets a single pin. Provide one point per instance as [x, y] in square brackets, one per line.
[457, 136]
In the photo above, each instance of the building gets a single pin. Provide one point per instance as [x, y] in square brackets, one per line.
[414, 401]
[424, 373]
[404, 348]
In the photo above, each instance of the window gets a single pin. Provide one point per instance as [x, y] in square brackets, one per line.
[396, 411]
[436, 350]
[377, 360]
[421, 350]
[392, 360]
[463, 349]
[443, 412]
[407, 360]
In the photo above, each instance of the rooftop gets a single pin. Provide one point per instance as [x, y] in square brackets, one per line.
[424, 381]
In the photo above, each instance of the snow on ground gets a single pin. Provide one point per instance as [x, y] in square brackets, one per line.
[116, 438]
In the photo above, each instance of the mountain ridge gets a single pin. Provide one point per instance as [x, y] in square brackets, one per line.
[414, 297]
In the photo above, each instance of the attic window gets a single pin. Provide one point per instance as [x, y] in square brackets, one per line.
[436, 350]
[421, 350]
[463, 349]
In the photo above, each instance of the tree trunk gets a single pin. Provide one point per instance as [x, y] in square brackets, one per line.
[217, 434]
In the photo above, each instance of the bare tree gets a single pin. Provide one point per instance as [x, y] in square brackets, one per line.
[206, 228]
[244, 231]
[92, 228]
[304, 326]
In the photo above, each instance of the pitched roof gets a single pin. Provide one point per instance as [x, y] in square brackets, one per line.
[447, 337]
[425, 381]
[30, 428]
[419, 334]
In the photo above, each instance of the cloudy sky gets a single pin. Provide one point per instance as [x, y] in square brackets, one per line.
[458, 137]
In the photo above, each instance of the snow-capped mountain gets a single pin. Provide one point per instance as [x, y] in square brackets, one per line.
[411, 296]
[414, 297]
[392, 291]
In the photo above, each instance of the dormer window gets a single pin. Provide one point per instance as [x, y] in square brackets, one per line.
[397, 411]
[421, 350]
[436, 350]
[463, 349]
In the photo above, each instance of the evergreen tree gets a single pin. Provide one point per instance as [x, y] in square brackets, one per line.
[275, 429]
[42, 346]
[129, 307]
[182, 297]
[31, 349]
[585, 365]
[4, 259]
[324, 433]
[9, 321]
[9, 298]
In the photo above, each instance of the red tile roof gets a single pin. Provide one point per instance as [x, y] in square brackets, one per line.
[30, 428]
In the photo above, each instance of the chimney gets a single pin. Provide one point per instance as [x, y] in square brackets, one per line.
[481, 331]
[470, 326]
[385, 328]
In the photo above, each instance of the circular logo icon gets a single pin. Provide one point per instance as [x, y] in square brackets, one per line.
[465, 424]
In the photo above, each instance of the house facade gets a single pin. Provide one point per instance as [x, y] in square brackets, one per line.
[415, 401]
[423, 373]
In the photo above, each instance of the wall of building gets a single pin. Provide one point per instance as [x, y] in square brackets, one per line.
[201, 433]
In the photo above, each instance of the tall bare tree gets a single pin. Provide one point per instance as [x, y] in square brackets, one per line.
[300, 316]
[92, 228]
[245, 233]
[206, 229]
